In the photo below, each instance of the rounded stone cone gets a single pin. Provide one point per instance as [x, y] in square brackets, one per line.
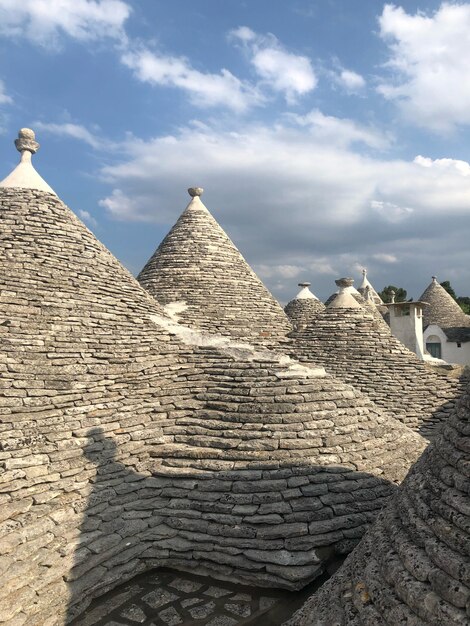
[412, 567]
[152, 443]
[443, 310]
[359, 349]
[302, 311]
[199, 266]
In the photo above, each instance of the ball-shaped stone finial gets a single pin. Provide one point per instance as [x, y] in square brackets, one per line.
[344, 282]
[195, 191]
[26, 141]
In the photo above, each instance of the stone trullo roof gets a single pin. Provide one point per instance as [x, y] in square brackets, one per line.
[131, 442]
[356, 347]
[367, 290]
[346, 287]
[199, 267]
[303, 308]
[413, 566]
[443, 310]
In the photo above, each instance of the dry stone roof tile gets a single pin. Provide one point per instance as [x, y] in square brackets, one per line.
[443, 310]
[303, 308]
[377, 311]
[150, 445]
[413, 566]
[130, 442]
[199, 266]
[359, 349]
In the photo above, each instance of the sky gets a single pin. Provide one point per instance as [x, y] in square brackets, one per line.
[328, 135]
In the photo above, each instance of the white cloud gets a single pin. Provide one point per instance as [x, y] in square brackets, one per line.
[429, 64]
[75, 131]
[205, 89]
[282, 71]
[298, 205]
[284, 271]
[390, 211]
[443, 165]
[44, 21]
[342, 131]
[284, 177]
[350, 81]
[383, 257]
[122, 207]
[87, 217]
[4, 97]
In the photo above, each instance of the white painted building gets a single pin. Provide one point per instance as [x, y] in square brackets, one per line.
[406, 324]
[446, 326]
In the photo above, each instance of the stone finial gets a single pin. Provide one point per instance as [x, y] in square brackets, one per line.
[26, 141]
[368, 294]
[24, 176]
[392, 297]
[304, 284]
[434, 279]
[364, 272]
[344, 282]
[195, 191]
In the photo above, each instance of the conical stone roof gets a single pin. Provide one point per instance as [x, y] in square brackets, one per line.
[130, 442]
[367, 290]
[346, 287]
[443, 310]
[303, 308]
[356, 347]
[198, 266]
[277, 444]
[413, 566]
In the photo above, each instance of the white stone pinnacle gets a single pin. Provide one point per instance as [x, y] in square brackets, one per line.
[305, 293]
[345, 298]
[24, 176]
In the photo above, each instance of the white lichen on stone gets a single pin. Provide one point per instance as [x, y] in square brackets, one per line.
[173, 309]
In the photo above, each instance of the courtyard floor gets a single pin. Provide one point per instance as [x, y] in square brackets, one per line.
[170, 598]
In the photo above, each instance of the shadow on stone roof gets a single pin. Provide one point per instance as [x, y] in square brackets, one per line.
[412, 567]
[251, 455]
[268, 528]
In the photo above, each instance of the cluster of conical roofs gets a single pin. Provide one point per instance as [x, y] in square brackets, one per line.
[181, 420]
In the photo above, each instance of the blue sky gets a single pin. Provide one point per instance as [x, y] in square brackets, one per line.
[329, 135]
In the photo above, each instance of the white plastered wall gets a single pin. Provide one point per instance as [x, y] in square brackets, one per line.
[450, 352]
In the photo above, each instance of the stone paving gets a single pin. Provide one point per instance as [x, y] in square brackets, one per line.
[168, 598]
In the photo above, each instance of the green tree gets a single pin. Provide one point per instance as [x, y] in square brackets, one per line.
[386, 294]
[462, 301]
[448, 287]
